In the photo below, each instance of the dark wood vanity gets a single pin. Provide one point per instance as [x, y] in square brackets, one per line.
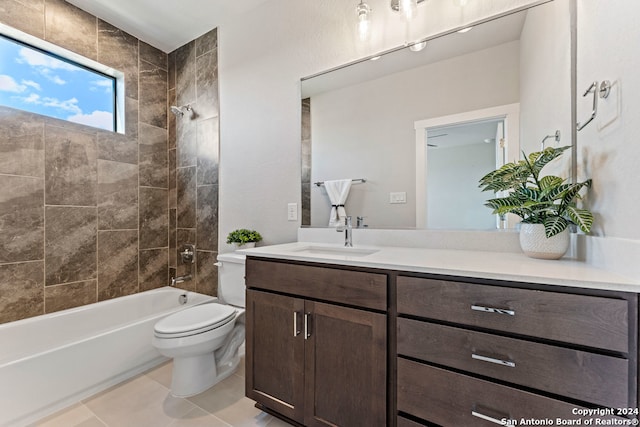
[332, 345]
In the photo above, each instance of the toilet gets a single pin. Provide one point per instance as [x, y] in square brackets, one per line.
[205, 340]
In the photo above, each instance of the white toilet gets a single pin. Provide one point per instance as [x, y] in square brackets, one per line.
[204, 340]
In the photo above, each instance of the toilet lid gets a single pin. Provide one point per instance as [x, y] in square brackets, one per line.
[200, 317]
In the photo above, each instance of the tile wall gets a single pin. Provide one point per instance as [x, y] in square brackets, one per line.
[305, 151]
[193, 160]
[87, 215]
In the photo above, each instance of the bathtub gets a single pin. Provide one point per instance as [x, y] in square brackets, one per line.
[52, 361]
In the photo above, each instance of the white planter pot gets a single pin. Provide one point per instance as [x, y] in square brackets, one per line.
[246, 245]
[535, 244]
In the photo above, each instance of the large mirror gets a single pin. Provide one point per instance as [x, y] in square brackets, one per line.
[416, 129]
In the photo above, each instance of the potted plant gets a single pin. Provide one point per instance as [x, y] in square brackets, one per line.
[244, 238]
[547, 205]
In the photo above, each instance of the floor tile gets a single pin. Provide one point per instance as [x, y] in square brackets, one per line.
[70, 417]
[198, 418]
[140, 402]
[162, 374]
[277, 422]
[243, 413]
[145, 401]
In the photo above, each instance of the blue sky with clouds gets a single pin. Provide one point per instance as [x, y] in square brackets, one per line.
[33, 81]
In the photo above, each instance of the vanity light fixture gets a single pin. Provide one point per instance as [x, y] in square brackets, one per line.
[363, 12]
[417, 46]
[408, 8]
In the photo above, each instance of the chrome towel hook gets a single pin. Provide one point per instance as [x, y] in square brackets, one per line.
[555, 136]
[598, 92]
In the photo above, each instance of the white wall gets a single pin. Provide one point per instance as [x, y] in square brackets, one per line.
[262, 56]
[367, 130]
[459, 204]
[609, 147]
[545, 89]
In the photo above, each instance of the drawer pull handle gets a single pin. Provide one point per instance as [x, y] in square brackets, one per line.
[296, 331]
[307, 325]
[493, 360]
[493, 310]
[488, 418]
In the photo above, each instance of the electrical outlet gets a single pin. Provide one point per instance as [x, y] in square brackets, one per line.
[292, 212]
[399, 197]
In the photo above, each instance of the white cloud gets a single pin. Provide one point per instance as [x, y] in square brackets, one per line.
[8, 84]
[105, 86]
[70, 105]
[32, 84]
[103, 83]
[67, 105]
[46, 73]
[98, 119]
[33, 98]
[38, 59]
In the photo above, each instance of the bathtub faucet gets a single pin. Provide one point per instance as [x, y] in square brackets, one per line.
[180, 279]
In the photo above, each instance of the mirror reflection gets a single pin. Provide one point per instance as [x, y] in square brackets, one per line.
[379, 120]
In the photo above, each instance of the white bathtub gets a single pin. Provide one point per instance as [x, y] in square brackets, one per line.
[51, 361]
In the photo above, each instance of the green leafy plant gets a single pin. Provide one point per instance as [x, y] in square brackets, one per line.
[549, 200]
[242, 236]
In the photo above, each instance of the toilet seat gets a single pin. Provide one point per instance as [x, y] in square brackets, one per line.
[194, 320]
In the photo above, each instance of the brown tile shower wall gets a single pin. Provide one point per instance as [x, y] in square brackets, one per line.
[83, 212]
[305, 150]
[193, 160]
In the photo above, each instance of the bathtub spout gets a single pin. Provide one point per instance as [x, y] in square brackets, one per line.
[180, 279]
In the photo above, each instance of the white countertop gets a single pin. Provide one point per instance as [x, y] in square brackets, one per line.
[467, 263]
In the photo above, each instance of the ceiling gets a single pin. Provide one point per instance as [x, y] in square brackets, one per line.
[165, 24]
[492, 33]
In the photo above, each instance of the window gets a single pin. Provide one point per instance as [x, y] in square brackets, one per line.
[35, 80]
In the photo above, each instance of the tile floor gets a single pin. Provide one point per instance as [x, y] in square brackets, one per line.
[144, 401]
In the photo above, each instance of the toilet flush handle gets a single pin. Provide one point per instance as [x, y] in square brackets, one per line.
[217, 264]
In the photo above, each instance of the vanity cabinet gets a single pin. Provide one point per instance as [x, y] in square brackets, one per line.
[477, 354]
[316, 347]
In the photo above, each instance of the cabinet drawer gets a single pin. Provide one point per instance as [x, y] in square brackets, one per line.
[581, 375]
[450, 399]
[362, 289]
[578, 319]
[405, 422]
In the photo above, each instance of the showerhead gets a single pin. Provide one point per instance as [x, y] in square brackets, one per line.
[179, 111]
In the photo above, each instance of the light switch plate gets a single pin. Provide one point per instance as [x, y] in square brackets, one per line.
[292, 212]
[398, 197]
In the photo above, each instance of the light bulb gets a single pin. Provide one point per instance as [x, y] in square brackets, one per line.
[363, 11]
[408, 8]
[417, 46]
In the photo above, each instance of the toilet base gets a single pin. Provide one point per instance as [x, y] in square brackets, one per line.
[193, 375]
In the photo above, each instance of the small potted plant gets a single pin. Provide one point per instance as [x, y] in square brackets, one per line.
[244, 238]
[547, 205]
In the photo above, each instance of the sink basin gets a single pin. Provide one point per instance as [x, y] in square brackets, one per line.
[337, 250]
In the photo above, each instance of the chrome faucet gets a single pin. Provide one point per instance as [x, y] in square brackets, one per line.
[180, 279]
[348, 230]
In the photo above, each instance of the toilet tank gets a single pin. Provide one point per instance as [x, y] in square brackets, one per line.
[231, 287]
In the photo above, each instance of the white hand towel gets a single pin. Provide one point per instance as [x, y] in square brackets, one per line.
[338, 191]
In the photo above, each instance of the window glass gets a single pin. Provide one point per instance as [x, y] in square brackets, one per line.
[34, 80]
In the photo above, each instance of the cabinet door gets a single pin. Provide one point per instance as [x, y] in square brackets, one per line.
[275, 352]
[345, 366]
